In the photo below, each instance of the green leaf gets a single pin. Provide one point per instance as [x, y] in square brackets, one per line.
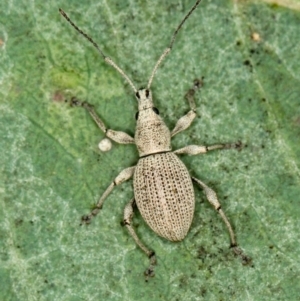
[52, 172]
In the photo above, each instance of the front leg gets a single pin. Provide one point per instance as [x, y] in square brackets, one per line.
[185, 121]
[202, 149]
[117, 136]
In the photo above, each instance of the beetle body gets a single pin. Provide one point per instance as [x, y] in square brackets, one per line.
[163, 188]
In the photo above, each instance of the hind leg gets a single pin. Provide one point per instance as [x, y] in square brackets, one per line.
[213, 199]
[128, 215]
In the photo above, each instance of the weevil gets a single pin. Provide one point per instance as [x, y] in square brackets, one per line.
[163, 187]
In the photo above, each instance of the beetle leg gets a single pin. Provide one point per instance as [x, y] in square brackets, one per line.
[202, 149]
[213, 199]
[128, 215]
[123, 176]
[185, 121]
[117, 136]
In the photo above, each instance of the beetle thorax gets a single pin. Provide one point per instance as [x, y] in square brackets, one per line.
[152, 135]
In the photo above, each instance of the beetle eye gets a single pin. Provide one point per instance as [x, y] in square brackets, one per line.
[147, 93]
[137, 94]
[136, 115]
[155, 110]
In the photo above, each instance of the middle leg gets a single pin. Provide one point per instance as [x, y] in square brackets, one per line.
[123, 176]
[203, 149]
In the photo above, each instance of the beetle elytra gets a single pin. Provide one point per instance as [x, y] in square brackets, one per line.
[163, 188]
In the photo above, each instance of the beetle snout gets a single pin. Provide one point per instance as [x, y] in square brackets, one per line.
[143, 94]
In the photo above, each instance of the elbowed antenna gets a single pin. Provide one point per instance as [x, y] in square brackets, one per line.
[167, 50]
[106, 58]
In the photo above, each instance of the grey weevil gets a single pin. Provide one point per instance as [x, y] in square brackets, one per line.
[163, 188]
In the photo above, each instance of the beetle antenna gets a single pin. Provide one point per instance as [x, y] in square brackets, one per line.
[167, 50]
[106, 58]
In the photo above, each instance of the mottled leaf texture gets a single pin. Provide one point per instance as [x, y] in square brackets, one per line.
[51, 171]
